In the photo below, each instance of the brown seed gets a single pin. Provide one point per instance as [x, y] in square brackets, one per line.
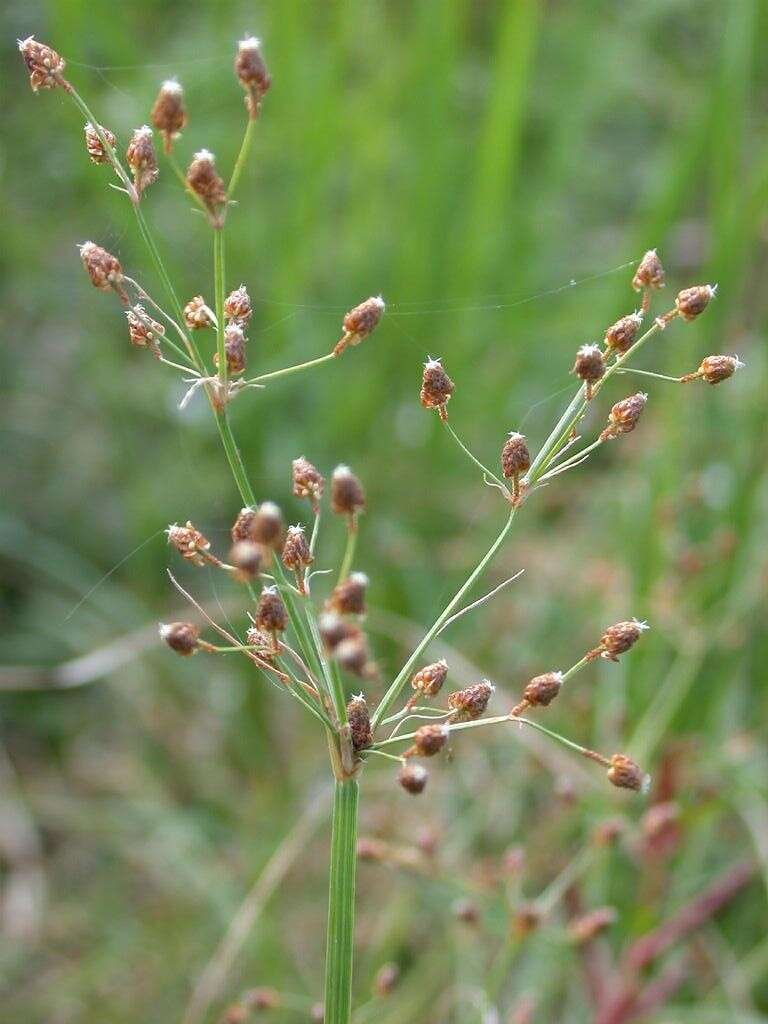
[261, 641]
[189, 542]
[589, 365]
[143, 331]
[103, 268]
[141, 158]
[714, 369]
[347, 494]
[542, 690]
[181, 637]
[296, 553]
[625, 774]
[234, 348]
[44, 65]
[624, 416]
[413, 778]
[352, 655]
[252, 73]
[430, 740]
[649, 273]
[334, 629]
[271, 615]
[386, 979]
[691, 302]
[436, 387]
[359, 722]
[620, 638]
[169, 114]
[237, 306]
[267, 526]
[470, 703]
[621, 336]
[243, 525]
[208, 186]
[587, 927]
[95, 146]
[360, 322]
[307, 481]
[429, 680]
[348, 597]
[515, 457]
[196, 314]
[247, 557]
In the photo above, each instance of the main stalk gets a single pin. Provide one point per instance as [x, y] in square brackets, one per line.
[341, 903]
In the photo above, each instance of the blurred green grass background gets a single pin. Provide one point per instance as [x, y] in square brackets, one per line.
[467, 161]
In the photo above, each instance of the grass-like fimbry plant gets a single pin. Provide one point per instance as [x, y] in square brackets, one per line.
[307, 648]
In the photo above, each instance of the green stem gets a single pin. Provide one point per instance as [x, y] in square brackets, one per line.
[274, 374]
[393, 692]
[349, 552]
[341, 904]
[219, 273]
[476, 461]
[242, 156]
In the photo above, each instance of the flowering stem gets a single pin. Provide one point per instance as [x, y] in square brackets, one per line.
[242, 157]
[393, 692]
[219, 273]
[476, 461]
[291, 369]
[649, 373]
[349, 553]
[341, 903]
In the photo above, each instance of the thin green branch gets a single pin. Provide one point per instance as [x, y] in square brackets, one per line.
[477, 462]
[242, 157]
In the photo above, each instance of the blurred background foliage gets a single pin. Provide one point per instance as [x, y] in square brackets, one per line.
[487, 167]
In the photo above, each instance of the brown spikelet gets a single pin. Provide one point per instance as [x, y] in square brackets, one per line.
[271, 616]
[44, 65]
[625, 774]
[189, 542]
[715, 369]
[169, 114]
[360, 322]
[691, 302]
[267, 525]
[206, 183]
[252, 73]
[95, 146]
[237, 306]
[308, 482]
[649, 274]
[334, 629]
[353, 656]
[296, 553]
[181, 637]
[618, 639]
[471, 702]
[589, 366]
[540, 692]
[621, 336]
[142, 159]
[247, 557]
[347, 494]
[359, 722]
[413, 778]
[624, 416]
[348, 597]
[197, 314]
[234, 349]
[436, 388]
[103, 269]
[143, 331]
[429, 680]
[429, 740]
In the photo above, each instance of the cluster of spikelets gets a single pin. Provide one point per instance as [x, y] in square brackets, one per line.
[279, 560]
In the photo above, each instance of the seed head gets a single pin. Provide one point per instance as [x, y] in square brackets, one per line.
[429, 680]
[143, 330]
[307, 481]
[359, 722]
[181, 637]
[189, 542]
[271, 616]
[436, 387]
[620, 638]
[625, 774]
[95, 146]
[237, 306]
[649, 273]
[247, 557]
[714, 369]
[542, 690]
[196, 314]
[334, 630]
[234, 348]
[261, 641]
[252, 73]
[589, 366]
[623, 417]
[296, 553]
[589, 926]
[430, 740]
[353, 656]
[386, 979]
[348, 597]
[470, 703]
[44, 65]
[515, 457]
[103, 268]
[267, 526]
[208, 186]
[347, 494]
[360, 322]
[691, 302]
[621, 336]
[413, 778]
[169, 115]
[141, 158]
